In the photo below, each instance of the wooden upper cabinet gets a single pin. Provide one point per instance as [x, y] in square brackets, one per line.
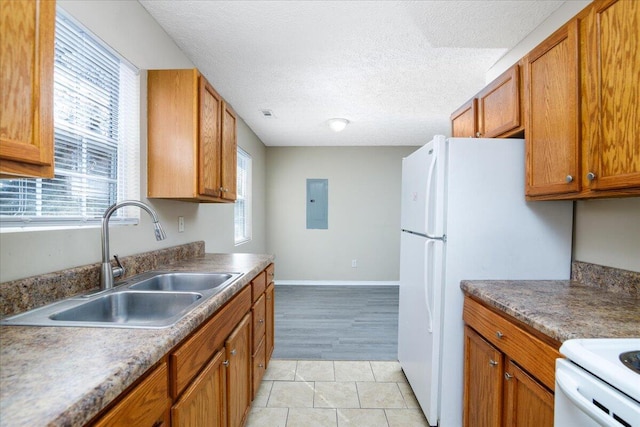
[551, 118]
[464, 121]
[26, 88]
[611, 95]
[229, 153]
[210, 142]
[495, 112]
[583, 106]
[499, 105]
[190, 139]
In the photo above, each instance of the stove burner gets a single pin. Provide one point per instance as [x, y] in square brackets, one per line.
[631, 359]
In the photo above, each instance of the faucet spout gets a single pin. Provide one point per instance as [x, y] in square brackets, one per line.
[107, 273]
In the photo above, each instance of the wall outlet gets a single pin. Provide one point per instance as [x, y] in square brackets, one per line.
[180, 224]
[354, 263]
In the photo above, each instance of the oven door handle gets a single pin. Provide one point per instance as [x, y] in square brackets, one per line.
[570, 389]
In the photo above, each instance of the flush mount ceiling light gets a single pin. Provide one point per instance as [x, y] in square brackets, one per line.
[338, 125]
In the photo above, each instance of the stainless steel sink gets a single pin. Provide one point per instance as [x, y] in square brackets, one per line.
[130, 307]
[177, 282]
[156, 299]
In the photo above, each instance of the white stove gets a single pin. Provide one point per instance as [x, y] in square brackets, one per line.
[598, 383]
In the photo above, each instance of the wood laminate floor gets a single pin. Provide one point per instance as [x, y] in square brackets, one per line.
[336, 322]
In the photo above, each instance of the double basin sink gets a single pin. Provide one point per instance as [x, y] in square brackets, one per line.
[155, 299]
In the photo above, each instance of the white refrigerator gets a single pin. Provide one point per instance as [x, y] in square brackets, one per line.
[464, 217]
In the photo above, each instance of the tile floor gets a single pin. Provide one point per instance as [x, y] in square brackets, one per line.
[307, 393]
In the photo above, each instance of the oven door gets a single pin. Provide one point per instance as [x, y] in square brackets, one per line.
[583, 400]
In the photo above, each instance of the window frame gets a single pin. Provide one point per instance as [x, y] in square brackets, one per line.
[245, 198]
[127, 149]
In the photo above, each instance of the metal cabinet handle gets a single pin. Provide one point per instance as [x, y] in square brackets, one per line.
[261, 321]
[569, 178]
[478, 134]
[226, 363]
[499, 334]
[233, 352]
[507, 376]
[591, 176]
[260, 365]
[493, 362]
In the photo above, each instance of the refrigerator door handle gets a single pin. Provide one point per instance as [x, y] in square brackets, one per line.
[427, 199]
[428, 274]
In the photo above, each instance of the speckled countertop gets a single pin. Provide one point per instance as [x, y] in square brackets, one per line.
[562, 309]
[64, 376]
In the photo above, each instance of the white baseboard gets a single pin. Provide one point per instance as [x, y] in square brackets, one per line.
[337, 283]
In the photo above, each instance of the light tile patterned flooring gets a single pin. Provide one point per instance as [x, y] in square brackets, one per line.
[308, 393]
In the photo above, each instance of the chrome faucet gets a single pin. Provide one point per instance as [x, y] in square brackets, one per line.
[108, 273]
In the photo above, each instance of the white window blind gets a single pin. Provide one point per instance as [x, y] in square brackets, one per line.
[96, 131]
[242, 212]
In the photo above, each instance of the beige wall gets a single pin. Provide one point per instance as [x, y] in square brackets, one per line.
[606, 232]
[364, 212]
[130, 30]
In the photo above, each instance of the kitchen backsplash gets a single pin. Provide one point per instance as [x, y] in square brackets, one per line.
[25, 294]
[609, 278]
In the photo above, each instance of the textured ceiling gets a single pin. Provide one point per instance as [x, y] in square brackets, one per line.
[395, 69]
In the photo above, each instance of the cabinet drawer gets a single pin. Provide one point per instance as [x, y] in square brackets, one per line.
[197, 350]
[147, 405]
[533, 355]
[258, 285]
[259, 365]
[258, 319]
[270, 273]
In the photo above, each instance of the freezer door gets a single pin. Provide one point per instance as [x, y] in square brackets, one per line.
[419, 318]
[422, 203]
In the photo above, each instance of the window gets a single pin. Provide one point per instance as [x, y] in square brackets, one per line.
[242, 213]
[96, 131]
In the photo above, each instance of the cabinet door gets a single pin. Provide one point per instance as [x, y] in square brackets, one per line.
[26, 85]
[258, 318]
[172, 133]
[204, 402]
[552, 121]
[271, 318]
[499, 105]
[464, 123]
[259, 366]
[146, 405]
[527, 403]
[209, 140]
[611, 104]
[238, 353]
[229, 153]
[483, 366]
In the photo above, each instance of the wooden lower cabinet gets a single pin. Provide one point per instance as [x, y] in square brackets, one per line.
[527, 403]
[211, 377]
[508, 372]
[147, 405]
[482, 382]
[204, 402]
[238, 351]
[271, 318]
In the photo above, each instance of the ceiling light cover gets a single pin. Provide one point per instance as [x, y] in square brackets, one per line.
[338, 125]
